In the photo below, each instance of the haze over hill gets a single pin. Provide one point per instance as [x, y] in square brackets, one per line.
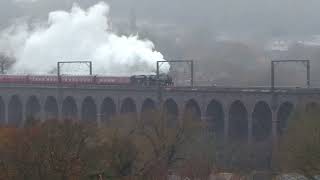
[232, 41]
[245, 17]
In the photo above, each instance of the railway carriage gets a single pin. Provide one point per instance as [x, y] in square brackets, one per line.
[137, 80]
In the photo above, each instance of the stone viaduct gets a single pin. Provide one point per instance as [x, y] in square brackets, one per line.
[251, 114]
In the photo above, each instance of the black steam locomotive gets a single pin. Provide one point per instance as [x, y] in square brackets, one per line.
[151, 80]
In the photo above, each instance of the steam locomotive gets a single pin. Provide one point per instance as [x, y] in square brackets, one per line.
[137, 80]
[151, 80]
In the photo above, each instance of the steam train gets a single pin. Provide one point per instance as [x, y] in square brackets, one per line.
[151, 80]
[136, 80]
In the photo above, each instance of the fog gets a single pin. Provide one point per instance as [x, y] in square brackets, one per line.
[244, 17]
[230, 40]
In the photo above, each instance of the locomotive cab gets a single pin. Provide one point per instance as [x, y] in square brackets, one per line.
[151, 80]
[165, 80]
[141, 80]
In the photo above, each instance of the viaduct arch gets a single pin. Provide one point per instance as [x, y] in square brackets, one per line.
[51, 108]
[171, 112]
[262, 121]
[238, 121]
[215, 118]
[233, 115]
[89, 110]
[148, 109]
[69, 109]
[33, 108]
[15, 113]
[108, 110]
[2, 112]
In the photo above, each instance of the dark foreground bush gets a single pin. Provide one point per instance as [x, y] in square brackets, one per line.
[122, 149]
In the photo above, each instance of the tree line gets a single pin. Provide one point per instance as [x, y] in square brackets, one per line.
[127, 148]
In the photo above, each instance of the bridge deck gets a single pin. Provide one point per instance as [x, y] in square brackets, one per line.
[267, 90]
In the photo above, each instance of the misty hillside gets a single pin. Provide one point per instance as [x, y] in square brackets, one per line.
[232, 41]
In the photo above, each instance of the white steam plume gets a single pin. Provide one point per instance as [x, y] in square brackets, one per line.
[78, 35]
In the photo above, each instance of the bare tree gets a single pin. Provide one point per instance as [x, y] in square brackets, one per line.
[298, 150]
[6, 63]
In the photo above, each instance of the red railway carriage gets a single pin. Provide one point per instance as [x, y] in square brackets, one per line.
[77, 80]
[13, 79]
[43, 79]
[67, 80]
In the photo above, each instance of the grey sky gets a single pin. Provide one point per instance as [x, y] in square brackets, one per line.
[263, 17]
[256, 20]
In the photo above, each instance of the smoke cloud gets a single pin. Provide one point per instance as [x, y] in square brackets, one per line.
[78, 35]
